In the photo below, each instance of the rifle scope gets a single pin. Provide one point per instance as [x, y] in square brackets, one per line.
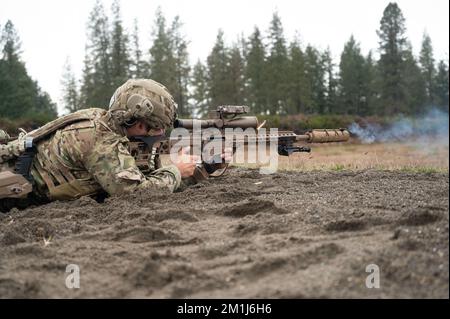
[242, 122]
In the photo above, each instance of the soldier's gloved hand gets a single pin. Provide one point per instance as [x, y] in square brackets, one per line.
[21, 141]
[13, 149]
[186, 163]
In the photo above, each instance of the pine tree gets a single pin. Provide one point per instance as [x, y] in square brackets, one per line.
[11, 43]
[219, 84]
[97, 85]
[277, 85]
[414, 85]
[254, 73]
[44, 109]
[330, 100]
[393, 44]
[179, 84]
[87, 82]
[20, 96]
[70, 96]
[370, 86]
[441, 88]
[139, 68]
[428, 69]
[299, 90]
[353, 92]
[199, 98]
[315, 79]
[236, 76]
[120, 57]
[162, 62]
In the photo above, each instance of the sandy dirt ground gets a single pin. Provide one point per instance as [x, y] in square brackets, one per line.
[286, 235]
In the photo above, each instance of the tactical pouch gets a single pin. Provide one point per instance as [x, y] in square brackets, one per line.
[73, 189]
[14, 185]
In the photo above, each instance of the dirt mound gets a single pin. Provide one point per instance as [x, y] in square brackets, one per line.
[286, 235]
[346, 225]
[252, 207]
[418, 218]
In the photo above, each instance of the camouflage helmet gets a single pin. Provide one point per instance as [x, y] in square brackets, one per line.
[143, 99]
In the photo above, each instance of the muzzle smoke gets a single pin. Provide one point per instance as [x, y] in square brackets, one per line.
[432, 128]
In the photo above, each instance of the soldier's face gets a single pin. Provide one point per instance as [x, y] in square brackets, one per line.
[138, 129]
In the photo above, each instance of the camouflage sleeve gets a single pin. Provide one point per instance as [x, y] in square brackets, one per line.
[113, 167]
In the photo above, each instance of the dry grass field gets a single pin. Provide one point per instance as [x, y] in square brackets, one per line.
[409, 156]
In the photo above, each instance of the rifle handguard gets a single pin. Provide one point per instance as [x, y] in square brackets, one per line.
[325, 136]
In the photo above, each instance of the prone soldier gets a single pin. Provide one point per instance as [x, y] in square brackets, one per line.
[85, 153]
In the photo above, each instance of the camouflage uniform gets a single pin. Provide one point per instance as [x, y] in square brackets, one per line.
[91, 156]
[87, 152]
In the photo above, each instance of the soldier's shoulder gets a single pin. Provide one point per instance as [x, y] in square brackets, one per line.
[88, 119]
[85, 124]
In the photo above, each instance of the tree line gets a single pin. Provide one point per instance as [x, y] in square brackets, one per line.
[20, 96]
[265, 70]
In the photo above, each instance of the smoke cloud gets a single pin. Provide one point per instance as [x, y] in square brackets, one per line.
[432, 128]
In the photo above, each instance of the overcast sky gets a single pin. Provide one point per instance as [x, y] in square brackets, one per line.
[52, 30]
